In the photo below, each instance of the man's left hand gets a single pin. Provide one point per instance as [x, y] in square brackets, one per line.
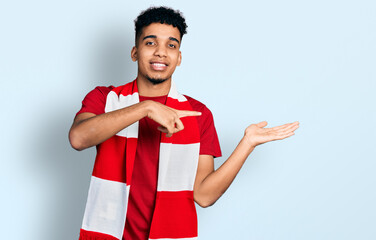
[256, 134]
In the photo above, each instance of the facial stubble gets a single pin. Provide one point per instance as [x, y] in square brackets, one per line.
[155, 81]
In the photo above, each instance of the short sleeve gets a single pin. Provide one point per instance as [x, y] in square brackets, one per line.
[208, 135]
[95, 100]
[209, 142]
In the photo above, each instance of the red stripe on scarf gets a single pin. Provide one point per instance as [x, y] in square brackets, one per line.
[174, 216]
[89, 235]
[110, 161]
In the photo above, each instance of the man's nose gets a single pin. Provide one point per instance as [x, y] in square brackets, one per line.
[160, 51]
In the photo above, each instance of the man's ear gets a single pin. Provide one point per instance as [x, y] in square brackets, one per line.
[179, 59]
[134, 54]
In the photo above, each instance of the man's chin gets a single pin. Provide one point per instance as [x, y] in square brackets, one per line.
[156, 81]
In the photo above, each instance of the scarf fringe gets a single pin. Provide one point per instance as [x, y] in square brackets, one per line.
[88, 235]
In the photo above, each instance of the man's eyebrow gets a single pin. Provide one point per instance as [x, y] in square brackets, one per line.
[174, 39]
[149, 36]
[154, 36]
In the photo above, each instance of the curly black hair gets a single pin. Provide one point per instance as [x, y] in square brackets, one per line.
[160, 15]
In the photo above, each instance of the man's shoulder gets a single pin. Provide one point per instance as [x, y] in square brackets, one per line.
[99, 92]
[103, 89]
[95, 100]
[198, 106]
[195, 103]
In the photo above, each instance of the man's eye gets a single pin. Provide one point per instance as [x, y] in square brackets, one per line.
[172, 45]
[149, 43]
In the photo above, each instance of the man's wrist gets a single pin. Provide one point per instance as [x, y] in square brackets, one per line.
[248, 141]
[147, 107]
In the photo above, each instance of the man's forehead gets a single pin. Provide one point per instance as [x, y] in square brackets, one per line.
[161, 30]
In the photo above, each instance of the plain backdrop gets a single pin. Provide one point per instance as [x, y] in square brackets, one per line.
[248, 61]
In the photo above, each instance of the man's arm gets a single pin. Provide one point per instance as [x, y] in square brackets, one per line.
[210, 184]
[89, 129]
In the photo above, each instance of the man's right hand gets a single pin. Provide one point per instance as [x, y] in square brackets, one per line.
[168, 118]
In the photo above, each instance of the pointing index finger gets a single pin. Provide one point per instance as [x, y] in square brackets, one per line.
[186, 113]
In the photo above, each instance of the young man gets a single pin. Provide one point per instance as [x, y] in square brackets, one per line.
[155, 147]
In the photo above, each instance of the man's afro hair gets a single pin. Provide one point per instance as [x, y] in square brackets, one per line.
[160, 15]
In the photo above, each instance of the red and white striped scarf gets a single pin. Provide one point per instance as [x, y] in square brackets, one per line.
[175, 213]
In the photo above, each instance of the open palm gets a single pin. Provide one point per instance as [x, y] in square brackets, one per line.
[257, 134]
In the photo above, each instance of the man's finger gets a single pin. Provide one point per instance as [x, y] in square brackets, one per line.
[280, 137]
[262, 124]
[291, 127]
[185, 113]
[284, 126]
[165, 130]
[179, 125]
[281, 126]
[162, 129]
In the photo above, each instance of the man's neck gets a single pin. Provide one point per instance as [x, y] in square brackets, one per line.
[148, 89]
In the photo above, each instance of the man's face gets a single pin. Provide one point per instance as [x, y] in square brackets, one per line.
[157, 52]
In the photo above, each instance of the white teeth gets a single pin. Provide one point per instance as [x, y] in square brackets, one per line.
[159, 64]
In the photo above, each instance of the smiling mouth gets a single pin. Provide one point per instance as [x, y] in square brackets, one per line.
[158, 66]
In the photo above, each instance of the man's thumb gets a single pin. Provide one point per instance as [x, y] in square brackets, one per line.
[262, 124]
